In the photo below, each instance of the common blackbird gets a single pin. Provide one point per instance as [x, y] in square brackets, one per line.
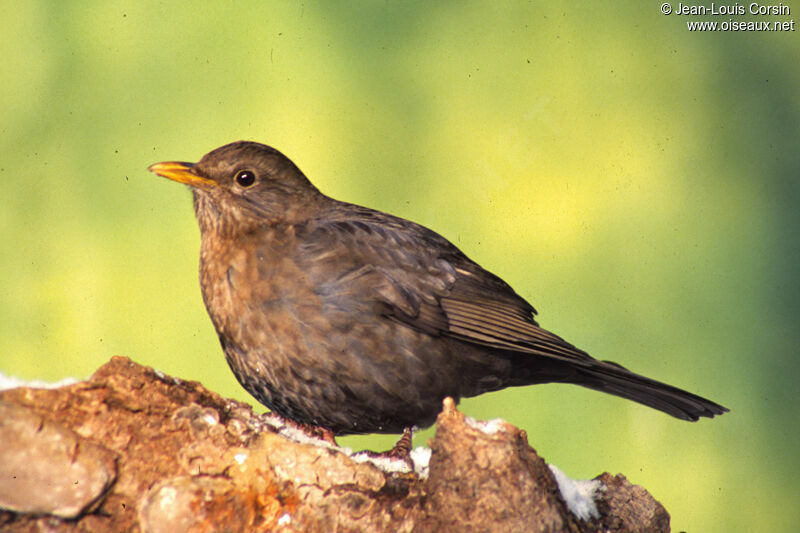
[357, 321]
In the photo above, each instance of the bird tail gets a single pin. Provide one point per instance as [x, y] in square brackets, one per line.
[612, 378]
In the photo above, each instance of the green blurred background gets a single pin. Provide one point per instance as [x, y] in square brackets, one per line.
[638, 183]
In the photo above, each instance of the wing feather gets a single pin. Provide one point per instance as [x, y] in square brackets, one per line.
[442, 294]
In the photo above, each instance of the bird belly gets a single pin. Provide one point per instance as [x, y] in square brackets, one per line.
[324, 359]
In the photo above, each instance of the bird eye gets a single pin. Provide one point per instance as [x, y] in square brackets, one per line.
[245, 178]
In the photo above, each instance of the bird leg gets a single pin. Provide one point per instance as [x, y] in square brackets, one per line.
[400, 452]
[402, 449]
[316, 432]
[320, 432]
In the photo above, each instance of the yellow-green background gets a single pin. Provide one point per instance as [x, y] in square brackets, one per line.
[639, 183]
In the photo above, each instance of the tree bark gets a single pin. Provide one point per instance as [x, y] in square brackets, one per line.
[131, 449]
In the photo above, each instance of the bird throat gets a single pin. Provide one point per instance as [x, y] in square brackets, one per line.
[222, 219]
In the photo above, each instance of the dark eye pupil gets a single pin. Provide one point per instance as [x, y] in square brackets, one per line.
[245, 178]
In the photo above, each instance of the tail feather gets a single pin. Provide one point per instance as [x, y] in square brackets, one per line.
[614, 379]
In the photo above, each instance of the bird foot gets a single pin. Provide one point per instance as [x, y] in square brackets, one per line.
[319, 432]
[400, 452]
[316, 432]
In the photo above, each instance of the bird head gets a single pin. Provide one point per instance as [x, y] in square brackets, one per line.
[243, 183]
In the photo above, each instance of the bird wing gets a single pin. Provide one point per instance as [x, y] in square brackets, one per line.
[421, 279]
[474, 314]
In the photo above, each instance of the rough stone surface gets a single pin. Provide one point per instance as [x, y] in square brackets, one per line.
[490, 481]
[630, 508]
[48, 469]
[163, 454]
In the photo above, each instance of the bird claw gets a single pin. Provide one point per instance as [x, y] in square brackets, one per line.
[402, 450]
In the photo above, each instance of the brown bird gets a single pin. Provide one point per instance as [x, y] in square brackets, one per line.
[357, 321]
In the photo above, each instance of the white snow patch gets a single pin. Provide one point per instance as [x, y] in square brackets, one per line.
[240, 457]
[387, 464]
[11, 382]
[490, 427]
[579, 494]
[296, 434]
[421, 457]
[285, 518]
[301, 437]
[167, 379]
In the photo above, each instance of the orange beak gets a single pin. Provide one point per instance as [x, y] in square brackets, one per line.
[182, 173]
